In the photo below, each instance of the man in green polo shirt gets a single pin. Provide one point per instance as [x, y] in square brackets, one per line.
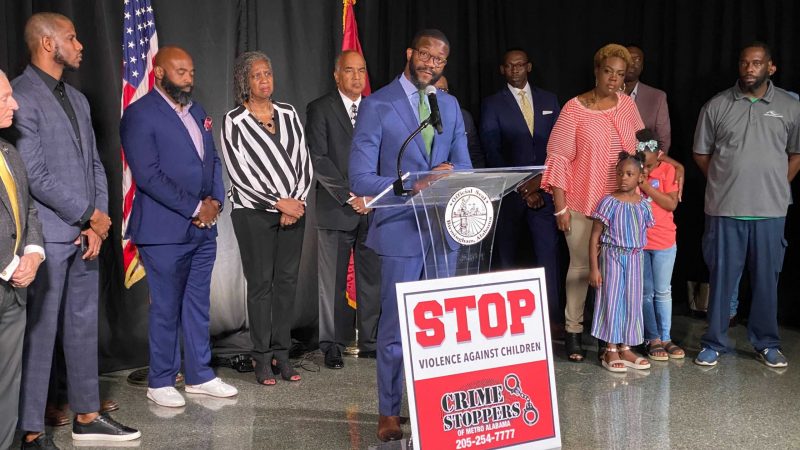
[747, 143]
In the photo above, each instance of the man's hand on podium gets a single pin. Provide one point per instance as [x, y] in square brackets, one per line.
[430, 179]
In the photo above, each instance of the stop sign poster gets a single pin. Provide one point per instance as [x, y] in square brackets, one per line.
[478, 361]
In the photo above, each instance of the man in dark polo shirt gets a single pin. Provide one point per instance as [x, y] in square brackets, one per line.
[747, 143]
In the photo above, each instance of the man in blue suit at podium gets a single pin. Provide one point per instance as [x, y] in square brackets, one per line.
[385, 120]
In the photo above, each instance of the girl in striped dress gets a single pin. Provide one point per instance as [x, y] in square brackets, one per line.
[619, 234]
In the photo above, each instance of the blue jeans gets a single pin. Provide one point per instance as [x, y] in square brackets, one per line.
[657, 301]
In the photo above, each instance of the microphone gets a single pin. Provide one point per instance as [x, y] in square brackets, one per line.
[436, 118]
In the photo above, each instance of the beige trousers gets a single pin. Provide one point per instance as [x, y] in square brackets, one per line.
[578, 272]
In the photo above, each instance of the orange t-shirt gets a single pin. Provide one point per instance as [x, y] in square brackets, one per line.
[662, 235]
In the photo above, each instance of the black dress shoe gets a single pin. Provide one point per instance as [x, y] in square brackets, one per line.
[42, 442]
[333, 359]
[103, 428]
[367, 354]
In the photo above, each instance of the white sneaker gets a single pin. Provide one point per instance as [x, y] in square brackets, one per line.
[166, 396]
[214, 388]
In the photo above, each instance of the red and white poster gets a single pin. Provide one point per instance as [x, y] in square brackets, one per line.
[479, 362]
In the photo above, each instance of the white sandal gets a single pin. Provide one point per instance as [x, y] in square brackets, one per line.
[640, 363]
[610, 365]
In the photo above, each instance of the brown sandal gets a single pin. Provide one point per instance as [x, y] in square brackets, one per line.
[674, 351]
[653, 350]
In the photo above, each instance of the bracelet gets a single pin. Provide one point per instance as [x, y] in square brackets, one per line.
[562, 212]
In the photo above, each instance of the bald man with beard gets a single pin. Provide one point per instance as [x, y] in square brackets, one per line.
[168, 143]
[68, 186]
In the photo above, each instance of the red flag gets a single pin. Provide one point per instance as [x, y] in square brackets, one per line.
[350, 41]
[350, 37]
[139, 47]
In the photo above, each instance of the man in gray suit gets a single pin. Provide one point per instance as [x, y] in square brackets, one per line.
[21, 252]
[652, 102]
[68, 185]
[342, 219]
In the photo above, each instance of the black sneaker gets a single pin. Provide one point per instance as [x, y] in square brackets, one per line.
[103, 428]
[43, 441]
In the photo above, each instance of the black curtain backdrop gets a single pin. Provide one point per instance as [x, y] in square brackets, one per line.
[691, 49]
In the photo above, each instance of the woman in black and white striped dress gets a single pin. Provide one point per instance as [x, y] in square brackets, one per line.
[270, 172]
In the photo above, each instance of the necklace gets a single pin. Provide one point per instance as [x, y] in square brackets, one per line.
[268, 114]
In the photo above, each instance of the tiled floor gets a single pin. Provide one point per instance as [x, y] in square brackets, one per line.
[738, 404]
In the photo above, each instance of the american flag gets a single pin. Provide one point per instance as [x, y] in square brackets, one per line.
[139, 47]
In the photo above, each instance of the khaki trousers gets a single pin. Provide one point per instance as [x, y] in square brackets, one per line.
[578, 272]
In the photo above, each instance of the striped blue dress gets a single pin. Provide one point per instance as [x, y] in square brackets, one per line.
[618, 303]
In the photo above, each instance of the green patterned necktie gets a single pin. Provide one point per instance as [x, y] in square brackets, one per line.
[427, 132]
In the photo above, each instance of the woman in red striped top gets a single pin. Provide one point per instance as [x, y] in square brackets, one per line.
[581, 155]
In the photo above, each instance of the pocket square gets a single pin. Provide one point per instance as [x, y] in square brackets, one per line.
[547, 113]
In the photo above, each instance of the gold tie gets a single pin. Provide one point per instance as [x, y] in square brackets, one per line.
[11, 189]
[527, 110]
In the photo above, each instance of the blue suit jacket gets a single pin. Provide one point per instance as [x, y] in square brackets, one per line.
[65, 177]
[504, 134]
[385, 120]
[170, 177]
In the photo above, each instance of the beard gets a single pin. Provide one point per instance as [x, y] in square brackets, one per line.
[412, 68]
[59, 58]
[176, 92]
[759, 81]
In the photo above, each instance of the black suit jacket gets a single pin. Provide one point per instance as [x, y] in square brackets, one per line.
[329, 134]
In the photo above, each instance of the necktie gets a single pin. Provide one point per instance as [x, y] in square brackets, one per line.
[353, 113]
[11, 189]
[424, 113]
[527, 110]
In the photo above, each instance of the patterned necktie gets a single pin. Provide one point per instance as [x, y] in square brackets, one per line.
[353, 113]
[424, 113]
[527, 110]
[11, 189]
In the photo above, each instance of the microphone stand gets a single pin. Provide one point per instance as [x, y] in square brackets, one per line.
[399, 190]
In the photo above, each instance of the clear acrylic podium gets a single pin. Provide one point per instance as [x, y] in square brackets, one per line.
[456, 213]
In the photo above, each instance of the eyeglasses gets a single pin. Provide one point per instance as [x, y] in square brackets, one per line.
[425, 56]
[520, 65]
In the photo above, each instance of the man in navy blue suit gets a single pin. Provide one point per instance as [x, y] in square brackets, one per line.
[169, 146]
[385, 119]
[515, 126]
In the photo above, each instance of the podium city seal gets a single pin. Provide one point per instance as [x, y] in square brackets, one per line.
[469, 216]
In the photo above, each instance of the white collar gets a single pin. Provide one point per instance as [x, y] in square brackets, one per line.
[349, 103]
[635, 91]
[516, 91]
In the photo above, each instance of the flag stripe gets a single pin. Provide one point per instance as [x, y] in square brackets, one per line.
[139, 47]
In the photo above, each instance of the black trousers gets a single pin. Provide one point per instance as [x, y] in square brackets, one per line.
[336, 317]
[270, 260]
